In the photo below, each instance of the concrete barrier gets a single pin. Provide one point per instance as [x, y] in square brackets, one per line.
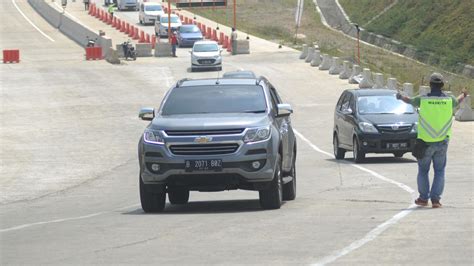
[336, 66]
[407, 89]
[48, 12]
[163, 50]
[304, 53]
[243, 47]
[378, 81]
[392, 84]
[366, 81]
[424, 90]
[465, 113]
[310, 56]
[355, 75]
[112, 56]
[326, 63]
[316, 58]
[143, 49]
[346, 70]
[119, 50]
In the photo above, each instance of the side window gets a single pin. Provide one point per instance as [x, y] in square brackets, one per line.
[274, 99]
[352, 103]
[339, 102]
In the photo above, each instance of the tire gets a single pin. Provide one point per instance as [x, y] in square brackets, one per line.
[289, 189]
[359, 155]
[178, 196]
[152, 201]
[398, 154]
[272, 197]
[339, 153]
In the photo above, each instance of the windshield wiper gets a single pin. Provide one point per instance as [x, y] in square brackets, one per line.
[255, 112]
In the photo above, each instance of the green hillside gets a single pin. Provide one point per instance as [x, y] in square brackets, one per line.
[442, 27]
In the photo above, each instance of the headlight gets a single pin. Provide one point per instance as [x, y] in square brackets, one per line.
[367, 127]
[414, 128]
[153, 137]
[257, 134]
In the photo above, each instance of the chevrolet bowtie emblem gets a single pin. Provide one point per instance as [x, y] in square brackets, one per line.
[203, 139]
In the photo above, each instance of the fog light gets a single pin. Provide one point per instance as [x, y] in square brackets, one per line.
[155, 167]
[256, 165]
[364, 143]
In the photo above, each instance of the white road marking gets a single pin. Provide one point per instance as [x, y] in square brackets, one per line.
[376, 231]
[18, 227]
[32, 24]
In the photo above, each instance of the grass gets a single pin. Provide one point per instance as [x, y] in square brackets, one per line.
[362, 11]
[274, 20]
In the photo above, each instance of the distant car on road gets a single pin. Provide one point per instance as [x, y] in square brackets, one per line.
[206, 55]
[373, 121]
[127, 4]
[239, 74]
[188, 34]
[149, 12]
[215, 135]
[161, 24]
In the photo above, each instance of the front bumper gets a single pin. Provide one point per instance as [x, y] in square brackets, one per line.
[205, 63]
[387, 143]
[235, 167]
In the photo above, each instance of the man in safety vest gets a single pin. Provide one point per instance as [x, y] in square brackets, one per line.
[434, 128]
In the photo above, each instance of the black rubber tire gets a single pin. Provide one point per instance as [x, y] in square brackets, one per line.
[359, 155]
[339, 153]
[289, 189]
[152, 202]
[398, 154]
[178, 196]
[272, 197]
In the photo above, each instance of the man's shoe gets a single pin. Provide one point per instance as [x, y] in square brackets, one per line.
[436, 204]
[421, 202]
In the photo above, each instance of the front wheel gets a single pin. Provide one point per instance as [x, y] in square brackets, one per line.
[272, 197]
[338, 152]
[289, 189]
[152, 197]
[359, 155]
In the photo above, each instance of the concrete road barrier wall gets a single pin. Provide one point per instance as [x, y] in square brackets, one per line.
[316, 59]
[356, 70]
[143, 49]
[366, 81]
[243, 47]
[408, 89]
[70, 27]
[326, 63]
[465, 113]
[424, 90]
[304, 53]
[392, 84]
[163, 50]
[310, 56]
[336, 66]
[378, 81]
[346, 70]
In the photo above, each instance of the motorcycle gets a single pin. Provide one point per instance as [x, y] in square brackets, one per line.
[129, 50]
[91, 42]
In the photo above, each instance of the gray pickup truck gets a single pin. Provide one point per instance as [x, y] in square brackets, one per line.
[215, 135]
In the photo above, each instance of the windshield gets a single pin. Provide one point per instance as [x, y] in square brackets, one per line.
[164, 19]
[215, 99]
[153, 8]
[189, 29]
[209, 47]
[382, 104]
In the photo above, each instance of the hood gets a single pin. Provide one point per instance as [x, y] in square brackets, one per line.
[209, 121]
[173, 25]
[206, 54]
[191, 35]
[153, 13]
[378, 119]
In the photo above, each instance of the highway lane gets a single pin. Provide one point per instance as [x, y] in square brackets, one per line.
[336, 203]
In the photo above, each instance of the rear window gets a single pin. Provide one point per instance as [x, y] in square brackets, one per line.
[207, 47]
[215, 99]
[189, 29]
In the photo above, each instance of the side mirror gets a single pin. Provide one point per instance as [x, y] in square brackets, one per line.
[147, 114]
[284, 110]
[191, 52]
[347, 111]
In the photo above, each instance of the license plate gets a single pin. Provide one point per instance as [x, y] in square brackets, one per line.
[402, 145]
[203, 165]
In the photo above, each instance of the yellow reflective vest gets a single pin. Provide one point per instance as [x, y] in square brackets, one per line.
[435, 118]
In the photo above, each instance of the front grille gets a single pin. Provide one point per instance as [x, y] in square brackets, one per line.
[204, 149]
[204, 132]
[389, 129]
[206, 61]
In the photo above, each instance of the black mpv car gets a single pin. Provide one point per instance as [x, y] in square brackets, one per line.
[373, 121]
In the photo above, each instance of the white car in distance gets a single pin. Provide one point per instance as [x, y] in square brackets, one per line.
[161, 24]
[149, 12]
[206, 55]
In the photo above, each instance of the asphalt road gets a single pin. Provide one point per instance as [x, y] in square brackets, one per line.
[69, 175]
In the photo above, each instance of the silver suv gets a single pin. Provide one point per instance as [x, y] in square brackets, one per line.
[215, 135]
